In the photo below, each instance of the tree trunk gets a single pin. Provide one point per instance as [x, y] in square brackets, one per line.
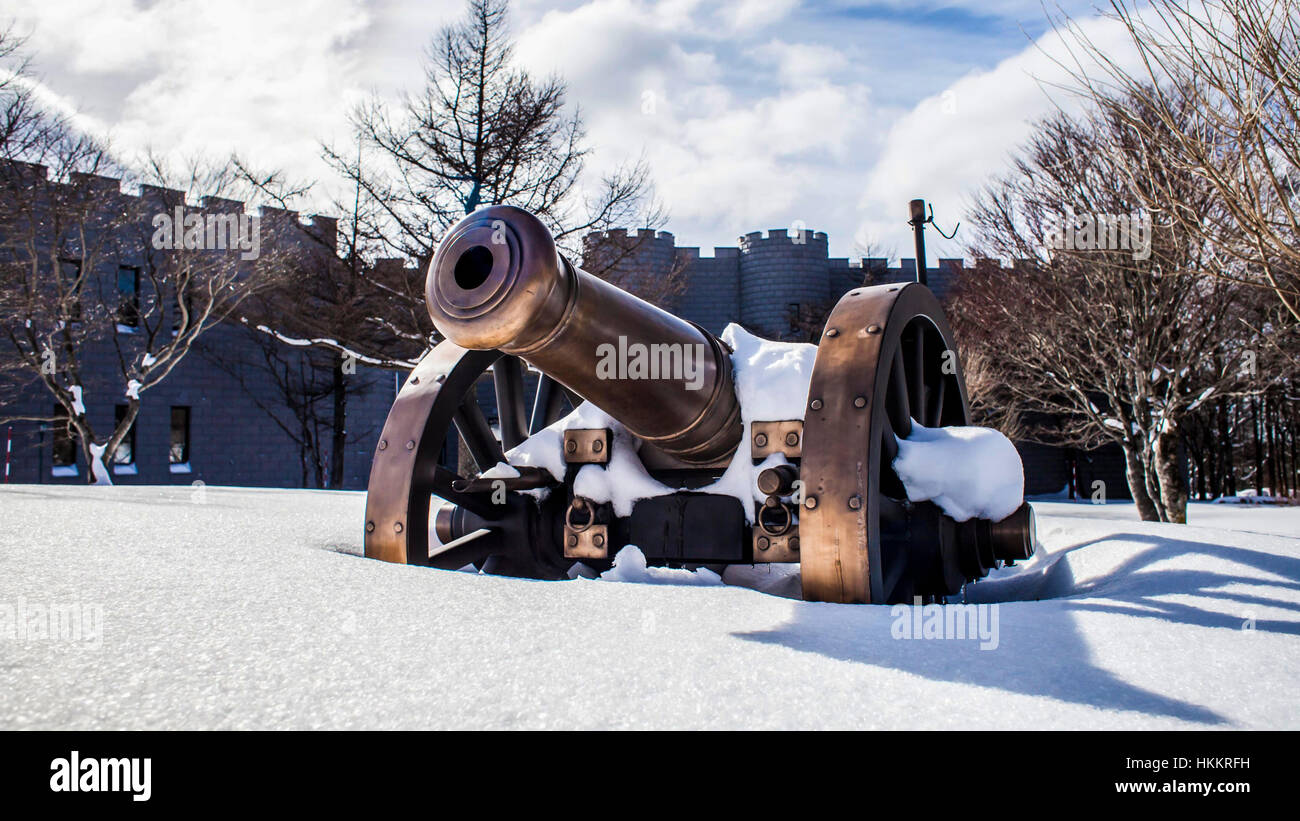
[94, 454]
[1274, 469]
[1072, 476]
[1151, 474]
[96, 472]
[1227, 465]
[1200, 476]
[119, 434]
[304, 453]
[1259, 449]
[1173, 484]
[1137, 483]
[1288, 443]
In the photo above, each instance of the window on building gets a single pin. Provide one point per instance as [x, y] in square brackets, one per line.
[179, 452]
[70, 274]
[65, 444]
[128, 296]
[793, 309]
[125, 453]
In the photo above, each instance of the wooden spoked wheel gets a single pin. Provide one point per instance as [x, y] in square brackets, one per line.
[886, 361]
[437, 408]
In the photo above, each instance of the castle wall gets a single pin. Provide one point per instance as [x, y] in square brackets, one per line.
[754, 283]
[234, 439]
[711, 293]
[234, 405]
[781, 274]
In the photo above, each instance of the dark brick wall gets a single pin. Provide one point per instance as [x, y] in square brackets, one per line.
[233, 439]
[711, 297]
[1046, 469]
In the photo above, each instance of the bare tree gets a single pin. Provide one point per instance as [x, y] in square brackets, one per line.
[1218, 87]
[56, 233]
[304, 391]
[1097, 339]
[337, 295]
[87, 267]
[480, 132]
[15, 100]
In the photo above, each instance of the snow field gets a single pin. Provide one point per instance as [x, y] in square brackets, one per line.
[239, 608]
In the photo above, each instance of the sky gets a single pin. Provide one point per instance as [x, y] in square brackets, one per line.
[752, 114]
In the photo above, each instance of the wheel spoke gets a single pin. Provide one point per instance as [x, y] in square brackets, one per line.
[916, 371]
[934, 418]
[897, 406]
[508, 377]
[548, 406]
[474, 429]
[895, 568]
[888, 448]
[440, 482]
[575, 399]
[471, 548]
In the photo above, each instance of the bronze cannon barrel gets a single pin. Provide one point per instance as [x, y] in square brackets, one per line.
[498, 282]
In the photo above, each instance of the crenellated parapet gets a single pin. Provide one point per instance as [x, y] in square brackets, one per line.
[764, 281]
[148, 199]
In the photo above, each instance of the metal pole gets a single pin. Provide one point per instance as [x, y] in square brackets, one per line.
[917, 212]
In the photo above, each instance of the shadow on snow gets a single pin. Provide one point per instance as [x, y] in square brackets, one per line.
[1041, 651]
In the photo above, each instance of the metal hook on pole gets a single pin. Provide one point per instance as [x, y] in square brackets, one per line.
[922, 216]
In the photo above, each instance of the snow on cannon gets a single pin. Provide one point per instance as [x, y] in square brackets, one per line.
[620, 424]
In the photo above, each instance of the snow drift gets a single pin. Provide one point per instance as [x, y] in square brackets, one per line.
[970, 472]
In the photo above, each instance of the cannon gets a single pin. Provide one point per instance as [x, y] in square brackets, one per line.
[618, 423]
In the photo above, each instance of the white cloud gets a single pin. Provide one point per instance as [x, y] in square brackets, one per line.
[115, 36]
[269, 80]
[56, 103]
[949, 145]
[743, 132]
[753, 114]
[802, 63]
[749, 15]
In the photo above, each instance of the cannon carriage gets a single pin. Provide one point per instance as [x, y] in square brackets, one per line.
[637, 433]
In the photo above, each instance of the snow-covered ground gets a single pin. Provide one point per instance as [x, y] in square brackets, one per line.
[234, 608]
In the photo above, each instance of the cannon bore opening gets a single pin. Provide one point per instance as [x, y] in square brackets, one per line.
[473, 267]
[560, 319]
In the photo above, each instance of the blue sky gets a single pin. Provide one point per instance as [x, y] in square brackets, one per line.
[762, 113]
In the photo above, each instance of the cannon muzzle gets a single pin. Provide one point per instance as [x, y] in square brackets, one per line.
[498, 282]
